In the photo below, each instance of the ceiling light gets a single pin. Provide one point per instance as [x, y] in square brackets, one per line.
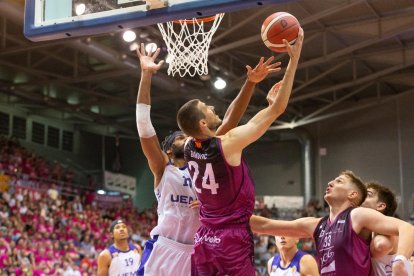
[100, 192]
[168, 59]
[129, 36]
[151, 47]
[220, 83]
[133, 46]
[80, 9]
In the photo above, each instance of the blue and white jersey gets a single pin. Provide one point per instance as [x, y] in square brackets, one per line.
[293, 269]
[124, 263]
[176, 220]
[383, 266]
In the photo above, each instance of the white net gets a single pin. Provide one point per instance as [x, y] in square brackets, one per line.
[188, 44]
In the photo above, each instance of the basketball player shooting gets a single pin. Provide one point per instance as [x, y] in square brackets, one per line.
[224, 243]
[168, 252]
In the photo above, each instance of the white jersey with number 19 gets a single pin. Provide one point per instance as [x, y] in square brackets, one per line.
[124, 263]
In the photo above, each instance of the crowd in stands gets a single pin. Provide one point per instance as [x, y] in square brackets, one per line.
[43, 233]
[17, 160]
[46, 228]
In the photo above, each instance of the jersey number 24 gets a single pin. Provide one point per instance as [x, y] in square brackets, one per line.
[209, 180]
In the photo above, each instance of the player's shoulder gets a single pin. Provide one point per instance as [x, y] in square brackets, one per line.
[361, 213]
[105, 255]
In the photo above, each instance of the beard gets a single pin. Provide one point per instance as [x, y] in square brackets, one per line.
[178, 152]
[214, 125]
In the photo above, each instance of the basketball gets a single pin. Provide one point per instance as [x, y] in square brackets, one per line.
[279, 26]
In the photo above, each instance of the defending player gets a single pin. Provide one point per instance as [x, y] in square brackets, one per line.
[169, 250]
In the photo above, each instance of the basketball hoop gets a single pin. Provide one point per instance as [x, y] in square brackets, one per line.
[188, 42]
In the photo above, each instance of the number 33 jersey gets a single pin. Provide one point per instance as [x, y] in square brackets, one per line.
[226, 192]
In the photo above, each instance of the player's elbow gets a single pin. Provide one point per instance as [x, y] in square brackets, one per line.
[380, 247]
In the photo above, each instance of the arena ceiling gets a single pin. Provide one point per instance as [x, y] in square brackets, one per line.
[357, 54]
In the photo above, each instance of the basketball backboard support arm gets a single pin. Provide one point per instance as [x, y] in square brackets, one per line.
[51, 19]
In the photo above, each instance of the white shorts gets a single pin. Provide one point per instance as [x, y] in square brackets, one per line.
[165, 257]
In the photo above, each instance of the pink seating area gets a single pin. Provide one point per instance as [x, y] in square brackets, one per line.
[48, 235]
[46, 228]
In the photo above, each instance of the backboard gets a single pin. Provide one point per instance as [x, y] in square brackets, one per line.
[57, 19]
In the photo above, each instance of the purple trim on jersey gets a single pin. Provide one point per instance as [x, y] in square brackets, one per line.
[294, 262]
[149, 246]
[341, 251]
[112, 249]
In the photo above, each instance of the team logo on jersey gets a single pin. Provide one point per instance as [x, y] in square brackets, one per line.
[115, 254]
[197, 144]
[181, 199]
[274, 268]
[341, 221]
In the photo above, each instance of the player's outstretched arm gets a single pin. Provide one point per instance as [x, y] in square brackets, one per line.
[238, 106]
[299, 228]
[372, 220]
[104, 261]
[237, 139]
[308, 266]
[156, 158]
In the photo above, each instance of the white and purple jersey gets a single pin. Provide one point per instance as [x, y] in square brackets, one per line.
[341, 251]
[383, 266]
[124, 263]
[226, 192]
[293, 269]
[176, 220]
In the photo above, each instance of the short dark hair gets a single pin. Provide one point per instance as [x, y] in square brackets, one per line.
[386, 196]
[188, 117]
[115, 223]
[359, 184]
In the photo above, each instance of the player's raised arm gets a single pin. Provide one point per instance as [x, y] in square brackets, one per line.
[238, 106]
[240, 137]
[156, 158]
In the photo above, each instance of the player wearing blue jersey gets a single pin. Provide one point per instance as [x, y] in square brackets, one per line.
[169, 250]
[122, 257]
[290, 261]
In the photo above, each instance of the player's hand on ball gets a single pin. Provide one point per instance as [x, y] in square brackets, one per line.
[295, 49]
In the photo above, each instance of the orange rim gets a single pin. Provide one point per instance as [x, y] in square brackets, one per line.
[196, 20]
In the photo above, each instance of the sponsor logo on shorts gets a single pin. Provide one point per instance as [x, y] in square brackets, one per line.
[206, 239]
